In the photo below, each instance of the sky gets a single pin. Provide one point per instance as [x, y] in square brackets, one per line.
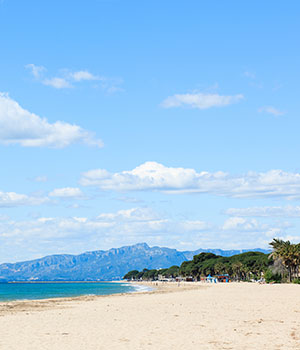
[174, 123]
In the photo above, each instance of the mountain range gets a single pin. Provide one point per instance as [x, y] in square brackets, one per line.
[101, 265]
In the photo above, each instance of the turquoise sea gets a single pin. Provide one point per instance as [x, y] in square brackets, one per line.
[36, 290]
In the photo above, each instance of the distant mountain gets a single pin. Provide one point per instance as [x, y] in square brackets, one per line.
[101, 265]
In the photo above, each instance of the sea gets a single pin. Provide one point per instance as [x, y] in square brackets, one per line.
[46, 290]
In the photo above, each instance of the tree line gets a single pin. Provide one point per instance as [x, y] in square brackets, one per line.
[242, 267]
[282, 264]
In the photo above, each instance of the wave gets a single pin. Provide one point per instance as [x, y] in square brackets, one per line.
[141, 288]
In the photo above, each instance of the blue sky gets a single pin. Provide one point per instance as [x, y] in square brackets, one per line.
[168, 122]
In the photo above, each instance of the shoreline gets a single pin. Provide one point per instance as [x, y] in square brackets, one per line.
[153, 287]
[156, 287]
[74, 298]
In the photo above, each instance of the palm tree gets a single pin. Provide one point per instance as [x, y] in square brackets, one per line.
[297, 253]
[237, 269]
[288, 255]
[219, 268]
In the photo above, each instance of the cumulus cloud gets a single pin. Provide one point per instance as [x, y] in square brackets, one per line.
[270, 110]
[286, 211]
[148, 176]
[12, 199]
[200, 100]
[67, 193]
[157, 177]
[19, 126]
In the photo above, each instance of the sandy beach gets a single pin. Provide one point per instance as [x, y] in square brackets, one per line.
[190, 316]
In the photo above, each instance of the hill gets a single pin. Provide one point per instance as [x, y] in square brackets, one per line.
[99, 265]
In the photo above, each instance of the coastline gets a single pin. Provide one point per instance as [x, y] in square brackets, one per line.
[37, 291]
[150, 287]
[45, 303]
[188, 316]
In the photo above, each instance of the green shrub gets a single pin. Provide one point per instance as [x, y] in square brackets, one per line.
[272, 277]
[296, 281]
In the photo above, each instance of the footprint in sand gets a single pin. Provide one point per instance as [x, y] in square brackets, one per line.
[294, 336]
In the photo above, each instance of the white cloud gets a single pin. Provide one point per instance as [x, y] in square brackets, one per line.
[83, 75]
[67, 193]
[287, 211]
[61, 82]
[200, 100]
[46, 235]
[270, 110]
[128, 226]
[66, 79]
[95, 177]
[58, 83]
[124, 226]
[132, 214]
[157, 177]
[232, 223]
[12, 199]
[150, 175]
[69, 79]
[237, 223]
[36, 71]
[19, 126]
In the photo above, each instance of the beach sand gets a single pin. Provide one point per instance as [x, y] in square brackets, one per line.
[189, 316]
